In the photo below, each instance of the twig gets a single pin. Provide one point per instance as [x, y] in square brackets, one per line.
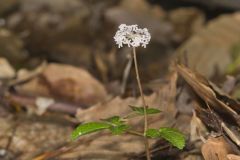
[135, 133]
[144, 104]
[231, 134]
[126, 74]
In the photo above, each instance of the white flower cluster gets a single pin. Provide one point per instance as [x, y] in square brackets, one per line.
[132, 36]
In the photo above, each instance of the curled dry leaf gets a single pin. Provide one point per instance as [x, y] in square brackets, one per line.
[206, 92]
[217, 110]
[197, 128]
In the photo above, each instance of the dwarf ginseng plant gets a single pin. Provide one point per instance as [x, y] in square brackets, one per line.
[133, 37]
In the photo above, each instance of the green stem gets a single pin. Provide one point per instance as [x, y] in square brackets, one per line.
[144, 104]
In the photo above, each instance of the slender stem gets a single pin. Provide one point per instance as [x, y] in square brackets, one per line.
[135, 133]
[143, 102]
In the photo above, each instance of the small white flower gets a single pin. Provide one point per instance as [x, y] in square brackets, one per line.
[132, 36]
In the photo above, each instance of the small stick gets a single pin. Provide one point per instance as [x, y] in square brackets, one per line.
[126, 74]
[135, 133]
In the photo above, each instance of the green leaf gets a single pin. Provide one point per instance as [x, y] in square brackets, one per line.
[88, 128]
[152, 133]
[140, 110]
[120, 129]
[173, 136]
[115, 120]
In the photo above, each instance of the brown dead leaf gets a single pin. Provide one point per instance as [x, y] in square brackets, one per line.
[197, 128]
[203, 89]
[67, 83]
[216, 149]
[209, 49]
[73, 83]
